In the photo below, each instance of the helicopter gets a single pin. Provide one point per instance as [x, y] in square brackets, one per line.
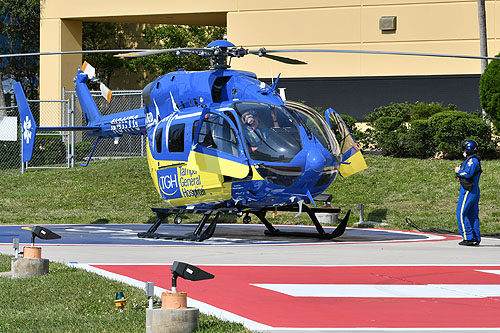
[221, 141]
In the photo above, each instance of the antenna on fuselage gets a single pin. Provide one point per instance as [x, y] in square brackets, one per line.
[174, 105]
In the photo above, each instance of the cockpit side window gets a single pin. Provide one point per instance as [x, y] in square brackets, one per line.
[316, 124]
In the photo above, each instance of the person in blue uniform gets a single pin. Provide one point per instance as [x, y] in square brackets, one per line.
[254, 135]
[468, 173]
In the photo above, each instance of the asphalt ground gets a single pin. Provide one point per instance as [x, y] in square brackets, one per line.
[366, 280]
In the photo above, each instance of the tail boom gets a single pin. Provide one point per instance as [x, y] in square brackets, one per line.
[107, 126]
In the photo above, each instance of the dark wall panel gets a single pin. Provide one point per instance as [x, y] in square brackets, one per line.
[358, 96]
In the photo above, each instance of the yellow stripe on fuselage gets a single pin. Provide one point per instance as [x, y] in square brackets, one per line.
[214, 189]
[217, 165]
[462, 215]
[213, 183]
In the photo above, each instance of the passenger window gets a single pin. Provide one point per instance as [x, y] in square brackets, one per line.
[195, 126]
[176, 138]
[158, 138]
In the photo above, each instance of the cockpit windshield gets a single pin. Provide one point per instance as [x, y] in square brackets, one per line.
[270, 133]
[316, 124]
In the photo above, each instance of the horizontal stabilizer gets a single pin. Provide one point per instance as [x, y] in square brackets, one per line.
[105, 92]
[88, 69]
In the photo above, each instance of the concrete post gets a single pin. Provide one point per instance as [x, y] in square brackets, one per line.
[172, 320]
[27, 267]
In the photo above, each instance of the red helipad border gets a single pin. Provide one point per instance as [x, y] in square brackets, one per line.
[235, 294]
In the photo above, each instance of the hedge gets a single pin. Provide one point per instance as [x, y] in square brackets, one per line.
[422, 130]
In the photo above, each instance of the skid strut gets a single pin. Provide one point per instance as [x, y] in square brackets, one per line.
[322, 234]
[198, 234]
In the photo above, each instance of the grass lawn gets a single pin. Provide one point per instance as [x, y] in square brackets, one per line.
[73, 300]
[121, 191]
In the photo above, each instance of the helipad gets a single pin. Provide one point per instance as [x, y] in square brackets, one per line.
[367, 280]
[225, 234]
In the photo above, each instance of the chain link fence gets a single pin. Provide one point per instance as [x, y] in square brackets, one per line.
[10, 144]
[127, 145]
[51, 149]
[63, 149]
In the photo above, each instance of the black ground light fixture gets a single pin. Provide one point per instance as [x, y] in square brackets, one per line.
[32, 264]
[188, 272]
[42, 233]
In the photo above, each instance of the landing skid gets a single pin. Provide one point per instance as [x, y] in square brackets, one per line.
[199, 235]
[322, 234]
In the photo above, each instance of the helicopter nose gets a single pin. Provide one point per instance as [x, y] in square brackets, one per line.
[315, 161]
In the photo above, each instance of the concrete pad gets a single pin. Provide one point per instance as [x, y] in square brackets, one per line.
[225, 234]
[434, 254]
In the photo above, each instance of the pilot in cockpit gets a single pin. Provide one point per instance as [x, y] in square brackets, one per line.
[255, 134]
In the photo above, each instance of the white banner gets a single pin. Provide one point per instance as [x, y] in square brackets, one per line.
[8, 128]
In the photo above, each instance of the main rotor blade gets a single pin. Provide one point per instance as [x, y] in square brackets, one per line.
[261, 53]
[10, 55]
[178, 51]
[285, 60]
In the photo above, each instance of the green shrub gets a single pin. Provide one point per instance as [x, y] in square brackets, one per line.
[10, 155]
[422, 111]
[389, 133]
[450, 128]
[399, 110]
[388, 124]
[422, 129]
[489, 91]
[418, 139]
[48, 150]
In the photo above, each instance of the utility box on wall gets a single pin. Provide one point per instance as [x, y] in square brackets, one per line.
[387, 23]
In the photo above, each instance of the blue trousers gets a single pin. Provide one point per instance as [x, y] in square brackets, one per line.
[468, 215]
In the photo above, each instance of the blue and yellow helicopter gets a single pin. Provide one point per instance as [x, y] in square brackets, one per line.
[221, 141]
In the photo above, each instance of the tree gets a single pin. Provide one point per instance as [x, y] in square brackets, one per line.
[2, 98]
[172, 36]
[20, 33]
[489, 92]
[103, 36]
[483, 39]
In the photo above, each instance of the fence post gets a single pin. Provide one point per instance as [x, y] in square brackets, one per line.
[21, 145]
[71, 107]
[142, 136]
[65, 122]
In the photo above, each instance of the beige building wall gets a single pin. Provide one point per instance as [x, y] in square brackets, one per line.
[422, 26]
[434, 26]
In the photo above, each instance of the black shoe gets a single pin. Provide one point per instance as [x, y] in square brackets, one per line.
[469, 242]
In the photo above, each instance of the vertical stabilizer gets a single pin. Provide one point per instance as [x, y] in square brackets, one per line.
[86, 101]
[28, 124]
